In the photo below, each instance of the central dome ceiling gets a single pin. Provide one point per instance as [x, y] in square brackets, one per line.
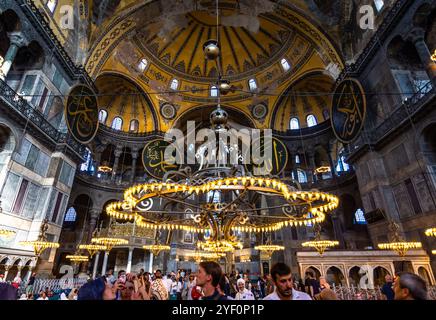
[246, 46]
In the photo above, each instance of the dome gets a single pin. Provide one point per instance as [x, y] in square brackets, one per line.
[122, 99]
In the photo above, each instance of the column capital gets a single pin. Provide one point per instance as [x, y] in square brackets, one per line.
[118, 152]
[416, 34]
[18, 39]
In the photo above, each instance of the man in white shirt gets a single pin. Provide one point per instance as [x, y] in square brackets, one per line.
[284, 285]
[243, 293]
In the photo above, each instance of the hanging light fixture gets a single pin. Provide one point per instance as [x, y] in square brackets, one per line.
[433, 56]
[318, 244]
[430, 232]
[398, 244]
[109, 242]
[4, 233]
[268, 248]
[92, 248]
[42, 242]
[77, 258]
[156, 248]
[105, 168]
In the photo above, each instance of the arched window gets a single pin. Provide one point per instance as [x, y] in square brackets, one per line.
[301, 176]
[214, 196]
[311, 120]
[71, 215]
[359, 217]
[87, 165]
[379, 4]
[51, 5]
[342, 166]
[134, 125]
[214, 91]
[252, 84]
[309, 216]
[143, 64]
[285, 64]
[326, 114]
[102, 116]
[297, 159]
[117, 123]
[294, 124]
[174, 84]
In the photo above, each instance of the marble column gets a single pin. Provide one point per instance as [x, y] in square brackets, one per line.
[129, 261]
[311, 178]
[94, 214]
[134, 160]
[17, 40]
[103, 269]
[6, 272]
[94, 270]
[19, 271]
[331, 163]
[118, 153]
[150, 263]
[417, 36]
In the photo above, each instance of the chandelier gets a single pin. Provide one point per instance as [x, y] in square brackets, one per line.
[199, 256]
[104, 168]
[433, 251]
[109, 242]
[430, 232]
[156, 248]
[216, 199]
[77, 258]
[322, 169]
[320, 245]
[433, 56]
[41, 243]
[92, 248]
[398, 244]
[269, 249]
[6, 233]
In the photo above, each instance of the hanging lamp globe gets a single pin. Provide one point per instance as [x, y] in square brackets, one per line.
[211, 49]
[224, 86]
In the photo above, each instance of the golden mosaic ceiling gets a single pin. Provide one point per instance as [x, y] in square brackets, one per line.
[244, 52]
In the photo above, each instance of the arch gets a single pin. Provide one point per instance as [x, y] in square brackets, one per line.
[311, 120]
[134, 125]
[379, 275]
[102, 116]
[348, 207]
[427, 144]
[30, 57]
[294, 123]
[138, 99]
[10, 21]
[285, 65]
[314, 270]
[354, 276]
[174, 84]
[334, 275]
[117, 123]
[423, 273]
[252, 85]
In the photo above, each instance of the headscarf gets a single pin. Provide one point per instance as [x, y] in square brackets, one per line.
[92, 290]
[158, 290]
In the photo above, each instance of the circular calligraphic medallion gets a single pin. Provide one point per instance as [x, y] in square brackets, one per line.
[348, 110]
[268, 157]
[154, 158]
[81, 114]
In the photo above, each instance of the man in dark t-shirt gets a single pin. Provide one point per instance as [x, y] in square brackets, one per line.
[387, 290]
[313, 286]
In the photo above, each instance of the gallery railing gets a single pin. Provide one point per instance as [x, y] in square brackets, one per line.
[356, 293]
[23, 108]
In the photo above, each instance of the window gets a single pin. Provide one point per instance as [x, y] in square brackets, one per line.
[214, 196]
[309, 216]
[174, 84]
[57, 207]
[325, 114]
[297, 159]
[311, 120]
[117, 123]
[301, 175]
[379, 4]
[294, 124]
[33, 158]
[252, 85]
[51, 5]
[102, 116]
[359, 217]
[87, 165]
[134, 125]
[285, 64]
[214, 91]
[9, 191]
[143, 65]
[342, 165]
[71, 215]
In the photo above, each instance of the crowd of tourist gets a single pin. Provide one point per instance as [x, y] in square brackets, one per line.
[210, 283]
